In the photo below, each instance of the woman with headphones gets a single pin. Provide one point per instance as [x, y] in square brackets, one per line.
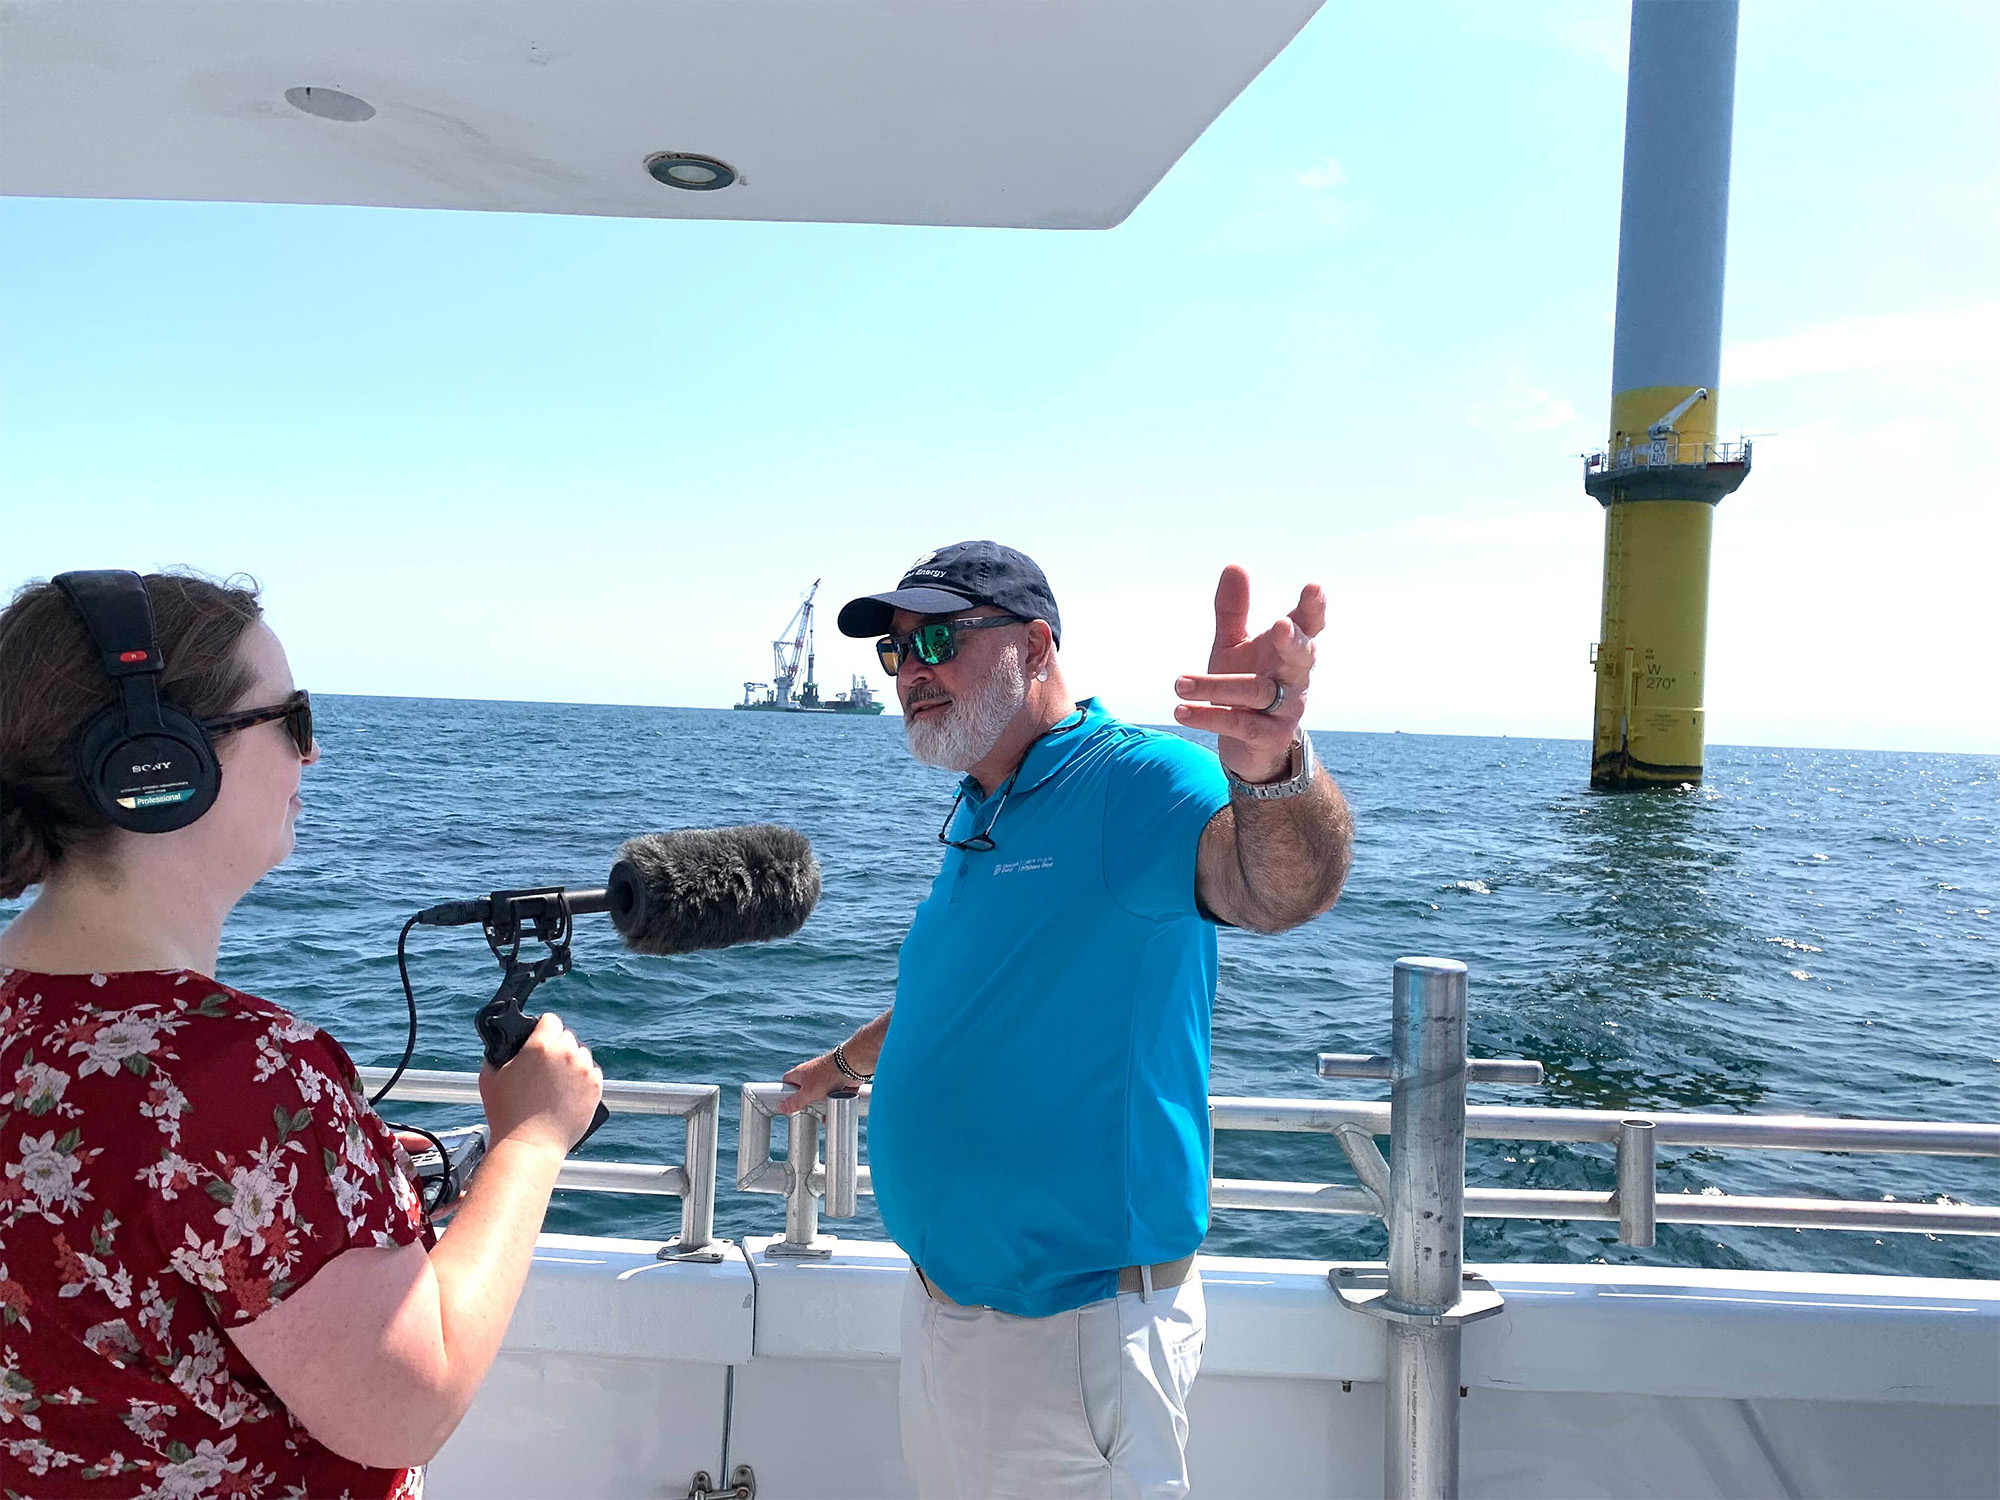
[214, 1277]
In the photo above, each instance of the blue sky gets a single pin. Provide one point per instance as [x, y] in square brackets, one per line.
[1357, 335]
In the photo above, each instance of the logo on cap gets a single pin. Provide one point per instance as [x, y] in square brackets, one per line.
[922, 560]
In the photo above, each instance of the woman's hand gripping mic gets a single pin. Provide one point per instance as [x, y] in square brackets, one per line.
[548, 1093]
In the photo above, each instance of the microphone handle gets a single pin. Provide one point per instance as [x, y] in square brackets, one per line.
[504, 1030]
[455, 913]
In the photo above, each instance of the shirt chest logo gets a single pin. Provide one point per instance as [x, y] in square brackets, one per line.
[1025, 866]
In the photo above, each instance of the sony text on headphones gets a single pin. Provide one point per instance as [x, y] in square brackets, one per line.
[145, 764]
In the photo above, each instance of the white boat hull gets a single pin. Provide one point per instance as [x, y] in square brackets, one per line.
[623, 1375]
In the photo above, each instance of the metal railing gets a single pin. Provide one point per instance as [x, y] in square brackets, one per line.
[1637, 1135]
[817, 1155]
[1661, 453]
[822, 1172]
[805, 1177]
[692, 1179]
[1422, 1294]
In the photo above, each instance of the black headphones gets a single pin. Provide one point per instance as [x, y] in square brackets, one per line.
[146, 765]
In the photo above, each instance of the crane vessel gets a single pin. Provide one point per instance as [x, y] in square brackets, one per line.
[792, 650]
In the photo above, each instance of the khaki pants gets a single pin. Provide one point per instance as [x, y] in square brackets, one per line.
[1088, 1403]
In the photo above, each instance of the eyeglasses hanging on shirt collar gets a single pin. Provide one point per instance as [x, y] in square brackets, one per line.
[982, 841]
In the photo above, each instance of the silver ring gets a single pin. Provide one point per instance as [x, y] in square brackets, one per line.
[1278, 701]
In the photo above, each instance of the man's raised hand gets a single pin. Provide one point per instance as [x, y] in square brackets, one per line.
[1254, 692]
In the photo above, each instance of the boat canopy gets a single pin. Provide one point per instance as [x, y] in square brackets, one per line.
[1048, 114]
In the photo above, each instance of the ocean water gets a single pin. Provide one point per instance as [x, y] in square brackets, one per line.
[1810, 931]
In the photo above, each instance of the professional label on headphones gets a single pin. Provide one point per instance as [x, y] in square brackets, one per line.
[151, 772]
[156, 799]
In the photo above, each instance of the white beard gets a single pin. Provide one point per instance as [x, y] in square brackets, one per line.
[961, 736]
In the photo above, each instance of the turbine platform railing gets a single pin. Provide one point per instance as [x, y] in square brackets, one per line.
[1657, 453]
[1666, 469]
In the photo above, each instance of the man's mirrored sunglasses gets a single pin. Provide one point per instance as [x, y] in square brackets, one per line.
[296, 711]
[933, 645]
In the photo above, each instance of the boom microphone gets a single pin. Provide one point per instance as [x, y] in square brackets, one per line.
[700, 888]
[679, 892]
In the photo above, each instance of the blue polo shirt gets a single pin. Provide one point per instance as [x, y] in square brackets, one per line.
[1040, 1111]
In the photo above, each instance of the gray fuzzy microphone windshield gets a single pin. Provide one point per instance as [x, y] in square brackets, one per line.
[699, 888]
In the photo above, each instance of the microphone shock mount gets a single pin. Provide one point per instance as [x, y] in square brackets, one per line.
[542, 915]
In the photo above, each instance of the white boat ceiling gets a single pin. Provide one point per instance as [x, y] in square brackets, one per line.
[1051, 114]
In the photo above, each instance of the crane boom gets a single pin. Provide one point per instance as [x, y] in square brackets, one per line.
[1664, 428]
[792, 648]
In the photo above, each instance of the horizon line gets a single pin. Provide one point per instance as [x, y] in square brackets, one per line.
[1432, 734]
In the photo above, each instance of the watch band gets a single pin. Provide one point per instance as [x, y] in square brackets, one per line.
[1299, 782]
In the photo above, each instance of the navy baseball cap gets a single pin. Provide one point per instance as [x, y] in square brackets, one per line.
[954, 578]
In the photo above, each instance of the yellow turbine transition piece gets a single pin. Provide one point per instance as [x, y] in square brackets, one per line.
[1653, 641]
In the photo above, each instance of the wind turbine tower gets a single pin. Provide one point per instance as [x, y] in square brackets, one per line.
[1661, 476]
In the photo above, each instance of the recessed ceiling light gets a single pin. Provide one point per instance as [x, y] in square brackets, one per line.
[330, 104]
[683, 169]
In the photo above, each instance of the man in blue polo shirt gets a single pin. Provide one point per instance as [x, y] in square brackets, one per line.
[1038, 1128]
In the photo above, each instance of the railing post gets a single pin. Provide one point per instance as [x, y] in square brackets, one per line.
[801, 1157]
[1426, 1226]
[802, 1177]
[843, 1154]
[698, 1207]
[1424, 1293]
[1636, 1182]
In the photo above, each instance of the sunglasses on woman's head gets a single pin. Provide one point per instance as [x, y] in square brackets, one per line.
[933, 645]
[296, 711]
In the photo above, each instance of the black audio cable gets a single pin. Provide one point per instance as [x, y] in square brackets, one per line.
[409, 1051]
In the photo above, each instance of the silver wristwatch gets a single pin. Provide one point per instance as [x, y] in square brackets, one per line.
[1299, 781]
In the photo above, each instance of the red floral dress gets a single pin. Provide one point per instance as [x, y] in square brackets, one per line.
[175, 1158]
